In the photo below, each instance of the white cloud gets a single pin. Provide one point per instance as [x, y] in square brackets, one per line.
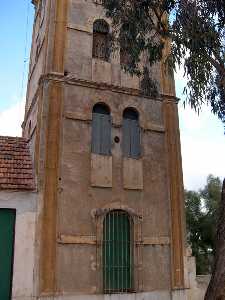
[11, 119]
[202, 145]
[202, 141]
[200, 158]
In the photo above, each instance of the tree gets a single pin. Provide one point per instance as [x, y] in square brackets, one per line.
[196, 29]
[216, 288]
[201, 216]
[211, 195]
[193, 217]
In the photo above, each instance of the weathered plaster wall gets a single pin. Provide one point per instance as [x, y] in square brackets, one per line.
[78, 59]
[30, 127]
[23, 267]
[77, 198]
[63, 156]
[155, 295]
[38, 50]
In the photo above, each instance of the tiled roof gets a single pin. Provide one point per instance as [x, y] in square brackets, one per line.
[16, 170]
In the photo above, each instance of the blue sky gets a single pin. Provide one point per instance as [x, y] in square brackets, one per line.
[13, 20]
[202, 137]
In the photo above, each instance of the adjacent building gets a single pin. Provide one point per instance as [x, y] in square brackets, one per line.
[18, 208]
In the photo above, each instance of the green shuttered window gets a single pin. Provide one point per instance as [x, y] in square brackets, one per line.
[7, 228]
[118, 253]
[101, 130]
[131, 134]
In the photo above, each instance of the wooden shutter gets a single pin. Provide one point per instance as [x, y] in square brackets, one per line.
[117, 253]
[101, 134]
[7, 228]
[135, 139]
[105, 134]
[131, 138]
[126, 138]
[96, 133]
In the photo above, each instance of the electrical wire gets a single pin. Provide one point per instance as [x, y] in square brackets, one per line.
[25, 59]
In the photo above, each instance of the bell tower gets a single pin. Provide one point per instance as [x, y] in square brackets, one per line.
[108, 164]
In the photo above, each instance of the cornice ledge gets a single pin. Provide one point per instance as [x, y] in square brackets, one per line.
[59, 77]
[170, 98]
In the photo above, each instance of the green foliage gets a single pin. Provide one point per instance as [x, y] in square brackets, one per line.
[201, 217]
[197, 32]
[148, 85]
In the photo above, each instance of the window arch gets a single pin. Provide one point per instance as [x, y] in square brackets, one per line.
[125, 57]
[101, 40]
[101, 130]
[118, 252]
[131, 133]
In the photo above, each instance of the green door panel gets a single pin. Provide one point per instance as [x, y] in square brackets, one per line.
[117, 253]
[7, 228]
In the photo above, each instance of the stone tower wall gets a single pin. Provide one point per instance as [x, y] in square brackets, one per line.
[64, 84]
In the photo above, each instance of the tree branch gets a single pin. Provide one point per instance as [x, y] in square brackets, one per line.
[161, 24]
[219, 67]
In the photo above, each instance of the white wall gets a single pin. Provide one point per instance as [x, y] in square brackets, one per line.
[197, 284]
[23, 268]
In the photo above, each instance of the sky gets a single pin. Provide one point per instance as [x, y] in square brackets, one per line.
[202, 137]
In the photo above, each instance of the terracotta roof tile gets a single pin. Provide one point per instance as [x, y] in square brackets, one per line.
[16, 169]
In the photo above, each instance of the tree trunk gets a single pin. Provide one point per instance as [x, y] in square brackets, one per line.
[216, 288]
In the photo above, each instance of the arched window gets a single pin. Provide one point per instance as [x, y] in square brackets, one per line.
[125, 57]
[131, 134]
[101, 130]
[101, 40]
[118, 252]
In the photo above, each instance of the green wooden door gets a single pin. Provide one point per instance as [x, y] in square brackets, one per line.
[7, 227]
[117, 253]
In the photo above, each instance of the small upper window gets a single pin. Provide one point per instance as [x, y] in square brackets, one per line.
[131, 133]
[125, 57]
[101, 40]
[101, 130]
